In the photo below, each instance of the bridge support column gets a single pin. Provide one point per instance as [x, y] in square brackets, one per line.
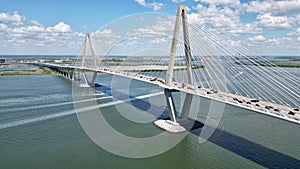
[86, 80]
[171, 105]
[76, 74]
[174, 116]
[70, 74]
[93, 78]
[186, 107]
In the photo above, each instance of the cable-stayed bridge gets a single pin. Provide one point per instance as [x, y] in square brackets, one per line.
[201, 63]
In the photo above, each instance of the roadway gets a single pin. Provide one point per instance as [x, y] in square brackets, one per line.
[268, 108]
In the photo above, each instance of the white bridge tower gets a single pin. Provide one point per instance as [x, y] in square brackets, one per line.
[174, 125]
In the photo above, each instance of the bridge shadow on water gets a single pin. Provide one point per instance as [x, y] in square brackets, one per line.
[250, 150]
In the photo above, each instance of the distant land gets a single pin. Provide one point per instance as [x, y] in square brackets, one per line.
[72, 55]
[16, 69]
[280, 63]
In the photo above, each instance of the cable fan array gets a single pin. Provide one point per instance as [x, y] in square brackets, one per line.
[218, 63]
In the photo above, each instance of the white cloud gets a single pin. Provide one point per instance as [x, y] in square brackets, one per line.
[276, 7]
[35, 28]
[295, 20]
[158, 31]
[276, 14]
[177, 1]
[215, 17]
[33, 22]
[195, 18]
[225, 19]
[21, 36]
[295, 34]
[3, 27]
[60, 27]
[106, 33]
[244, 29]
[262, 42]
[106, 38]
[155, 33]
[153, 5]
[164, 28]
[257, 38]
[141, 2]
[222, 2]
[15, 19]
[222, 15]
[269, 21]
[233, 19]
[156, 6]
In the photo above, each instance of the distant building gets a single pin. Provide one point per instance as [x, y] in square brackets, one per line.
[58, 61]
[2, 61]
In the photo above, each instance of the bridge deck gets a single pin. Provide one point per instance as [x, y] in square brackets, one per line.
[275, 110]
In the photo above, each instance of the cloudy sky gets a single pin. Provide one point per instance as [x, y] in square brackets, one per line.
[268, 27]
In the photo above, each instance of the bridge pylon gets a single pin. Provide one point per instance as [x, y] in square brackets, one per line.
[178, 122]
[88, 45]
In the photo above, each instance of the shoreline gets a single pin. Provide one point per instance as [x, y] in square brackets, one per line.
[289, 64]
[23, 72]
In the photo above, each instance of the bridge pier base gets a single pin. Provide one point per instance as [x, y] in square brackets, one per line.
[86, 80]
[177, 123]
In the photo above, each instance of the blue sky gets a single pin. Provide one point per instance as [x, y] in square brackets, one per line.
[268, 27]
